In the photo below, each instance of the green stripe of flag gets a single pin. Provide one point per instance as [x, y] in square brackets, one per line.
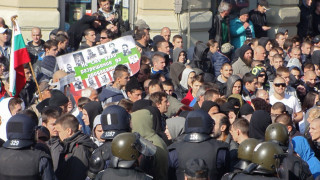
[18, 42]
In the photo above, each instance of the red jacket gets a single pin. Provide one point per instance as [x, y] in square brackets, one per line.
[187, 100]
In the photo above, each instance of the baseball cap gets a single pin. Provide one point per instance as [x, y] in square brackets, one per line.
[3, 30]
[226, 48]
[141, 24]
[316, 39]
[264, 3]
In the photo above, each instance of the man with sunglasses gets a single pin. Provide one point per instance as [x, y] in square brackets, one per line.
[259, 19]
[291, 102]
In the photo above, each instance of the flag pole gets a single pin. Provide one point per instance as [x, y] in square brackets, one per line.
[13, 18]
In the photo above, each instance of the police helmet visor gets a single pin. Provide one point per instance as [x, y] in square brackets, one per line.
[144, 146]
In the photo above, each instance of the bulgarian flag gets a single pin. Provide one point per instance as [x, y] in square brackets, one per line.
[19, 56]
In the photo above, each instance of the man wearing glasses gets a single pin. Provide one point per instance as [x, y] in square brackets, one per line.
[291, 102]
[259, 20]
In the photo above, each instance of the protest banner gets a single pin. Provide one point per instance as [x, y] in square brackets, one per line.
[93, 67]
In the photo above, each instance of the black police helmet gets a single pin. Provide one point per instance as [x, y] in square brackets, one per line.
[114, 120]
[20, 132]
[199, 122]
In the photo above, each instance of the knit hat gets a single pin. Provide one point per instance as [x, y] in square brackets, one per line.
[58, 98]
[226, 48]
[141, 24]
[244, 48]
[246, 109]
[244, 11]
[207, 105]
[257, 70]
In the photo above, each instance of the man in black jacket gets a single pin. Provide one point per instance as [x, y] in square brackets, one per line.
[36, 46]
[259, 19]
[74, 159]
[220, 24]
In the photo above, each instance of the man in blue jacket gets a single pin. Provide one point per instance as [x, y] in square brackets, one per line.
[241, 29]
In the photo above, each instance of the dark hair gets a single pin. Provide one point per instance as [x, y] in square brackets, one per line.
[159, 43]
[144, 59]
[279, 34]
[211, 42]
[109, 33]
[61, 38]
[308, 101]
[82, 101]
[50, 113]
[309, 65]
[68, 121]
[139, 34]
[26, 66]
[126, 104]
[281, 70]
[177, 36]
[119, 70]
[242, 124]
[155, 82]
[156, 97]
[209, 93]
[280, 106]
[225, 121]
[198, 78]
[248, 78]
[86, 32]
[49, 44]
[260, 104]
[284, 119]
[13, 102]
[288, 43]
[167, 83]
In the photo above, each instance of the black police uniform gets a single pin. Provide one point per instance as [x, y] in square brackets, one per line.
[18, 157]
[124, 174]
[21, 164]
[99, 159]
[243, 176]
[207, 149]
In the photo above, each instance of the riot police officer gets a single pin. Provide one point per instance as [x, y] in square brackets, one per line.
[127, 149]
[292, 166]
[18, 157]
[114, 120]
[198, 143]
[265, 162]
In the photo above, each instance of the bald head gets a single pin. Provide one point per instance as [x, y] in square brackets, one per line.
[259, 53]
[310, 78]
[166, 33]
[263, 94]
[36, 36]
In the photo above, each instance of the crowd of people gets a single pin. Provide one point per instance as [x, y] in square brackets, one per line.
[240, 106]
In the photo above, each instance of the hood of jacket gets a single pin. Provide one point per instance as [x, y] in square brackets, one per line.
[230, 83]
[302, 147]
[184, 78]
[142, 123]
[176, 70]
[96, 122]
[176, 126]
[109, 92]
[93, 109]
[244, 48]
[200, 51]
[259, 122]
[5, 115]
[176, 54]
[78, 139]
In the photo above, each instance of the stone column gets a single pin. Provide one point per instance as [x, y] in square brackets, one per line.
[283, 14]
[41, 13]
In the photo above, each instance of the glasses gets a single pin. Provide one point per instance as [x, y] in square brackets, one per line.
[280, 84]
[103, 37]
[261, 75]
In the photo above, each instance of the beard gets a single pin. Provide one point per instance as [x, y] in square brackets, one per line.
[247, 61]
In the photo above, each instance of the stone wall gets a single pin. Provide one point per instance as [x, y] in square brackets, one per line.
[41, 13]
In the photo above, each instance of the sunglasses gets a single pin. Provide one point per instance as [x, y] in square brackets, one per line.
[261, 75]
[103, 37]
[280, 84]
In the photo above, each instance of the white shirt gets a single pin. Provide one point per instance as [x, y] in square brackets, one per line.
[288, 100]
